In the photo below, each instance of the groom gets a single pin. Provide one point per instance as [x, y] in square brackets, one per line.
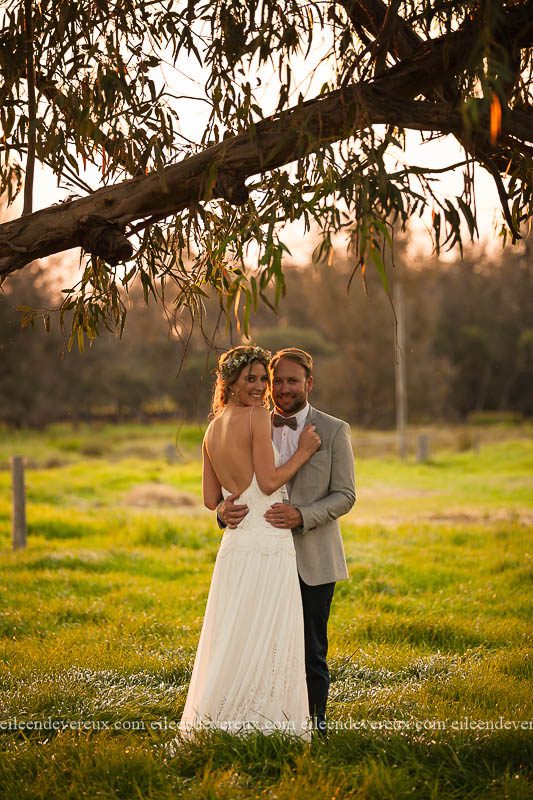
[321, 492]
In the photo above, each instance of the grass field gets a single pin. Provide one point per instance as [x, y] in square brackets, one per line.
[429, 639]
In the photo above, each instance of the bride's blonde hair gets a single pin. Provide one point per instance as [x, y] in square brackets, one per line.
[230, 365]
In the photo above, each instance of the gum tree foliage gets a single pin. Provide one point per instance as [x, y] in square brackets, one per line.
[82, 89]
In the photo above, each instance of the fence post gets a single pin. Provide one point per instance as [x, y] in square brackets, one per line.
[171, 454]
[422, 450]
[399, 369]
[19, 503]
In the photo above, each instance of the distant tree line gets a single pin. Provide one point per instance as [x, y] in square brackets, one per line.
[469, 333]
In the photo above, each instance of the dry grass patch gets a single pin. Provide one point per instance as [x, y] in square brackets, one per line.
[159, 495]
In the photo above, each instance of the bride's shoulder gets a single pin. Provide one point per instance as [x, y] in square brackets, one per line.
[260, 412]
[260, 418]
[212, 426]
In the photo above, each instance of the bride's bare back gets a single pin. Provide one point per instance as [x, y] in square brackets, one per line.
[238, 445]
[228, 441]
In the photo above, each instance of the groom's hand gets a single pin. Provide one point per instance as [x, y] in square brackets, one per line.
[282, 515]
[230, 512]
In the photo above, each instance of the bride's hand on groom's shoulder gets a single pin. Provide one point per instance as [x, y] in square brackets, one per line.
[230, 512]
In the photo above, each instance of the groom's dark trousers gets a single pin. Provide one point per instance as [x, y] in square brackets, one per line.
[316, 601]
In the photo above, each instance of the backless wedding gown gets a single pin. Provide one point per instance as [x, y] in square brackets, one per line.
[249, 670]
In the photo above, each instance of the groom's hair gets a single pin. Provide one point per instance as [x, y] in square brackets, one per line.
[294, 354]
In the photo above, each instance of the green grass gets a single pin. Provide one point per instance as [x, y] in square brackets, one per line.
[429, 639]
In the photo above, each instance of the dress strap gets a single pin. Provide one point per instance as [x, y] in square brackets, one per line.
[251, 412]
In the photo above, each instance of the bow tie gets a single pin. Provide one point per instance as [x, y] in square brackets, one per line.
[280, 421]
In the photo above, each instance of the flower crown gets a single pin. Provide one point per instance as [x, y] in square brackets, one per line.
[243, 356]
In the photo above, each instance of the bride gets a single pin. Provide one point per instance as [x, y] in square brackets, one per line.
[249, 670]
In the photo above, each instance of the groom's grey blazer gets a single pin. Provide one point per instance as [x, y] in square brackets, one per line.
[323, 490]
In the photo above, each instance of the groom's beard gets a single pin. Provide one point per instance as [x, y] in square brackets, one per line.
[289, 406]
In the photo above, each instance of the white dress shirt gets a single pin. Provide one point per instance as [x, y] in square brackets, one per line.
[286, 439]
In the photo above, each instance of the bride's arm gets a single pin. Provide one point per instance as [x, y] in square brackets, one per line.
[211, 488]
[269, 477]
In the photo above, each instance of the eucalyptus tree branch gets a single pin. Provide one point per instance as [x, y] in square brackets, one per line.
[372, 16]
[369, 16]
[56, 97]
[32, 108]
[276, 142]
[220, 170]
[384, 40]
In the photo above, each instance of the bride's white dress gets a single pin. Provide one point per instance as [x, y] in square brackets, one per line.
[249, 670]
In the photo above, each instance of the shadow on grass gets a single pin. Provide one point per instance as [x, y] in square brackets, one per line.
[424, 633]
[62, 529]
[127, 562]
